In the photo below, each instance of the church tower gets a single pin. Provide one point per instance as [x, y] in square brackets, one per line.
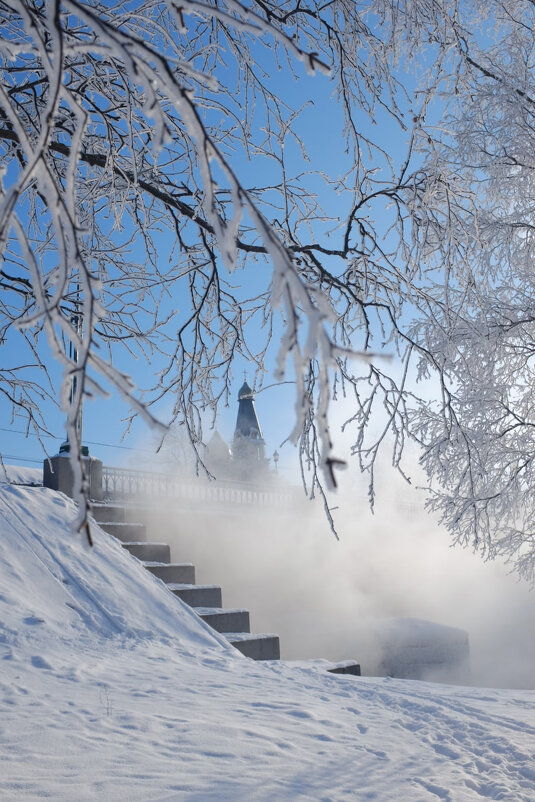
[248, 447]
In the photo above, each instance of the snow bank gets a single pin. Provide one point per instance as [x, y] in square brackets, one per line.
[52, 577]
[19, 475]
[111, 689]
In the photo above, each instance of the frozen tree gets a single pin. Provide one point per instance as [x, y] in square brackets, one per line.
[479, 443]
[127, 126]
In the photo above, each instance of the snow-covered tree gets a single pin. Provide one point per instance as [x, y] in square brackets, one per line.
[479, 439]
[127, 126]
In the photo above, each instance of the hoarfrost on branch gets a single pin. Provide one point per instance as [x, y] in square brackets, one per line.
[126, 126]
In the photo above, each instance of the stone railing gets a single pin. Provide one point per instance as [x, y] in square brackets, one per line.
[126, 484]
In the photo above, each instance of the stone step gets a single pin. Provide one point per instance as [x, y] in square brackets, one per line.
[197, 595]
[180, 573]
[321, 664]
[149, 552]
[225, 620]
[345, 667]
[127, 533]
[257, 647]
[108, 512]
[180, 580]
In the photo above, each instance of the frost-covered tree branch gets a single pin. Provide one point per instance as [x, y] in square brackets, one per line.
[164, 198]
[478, 439]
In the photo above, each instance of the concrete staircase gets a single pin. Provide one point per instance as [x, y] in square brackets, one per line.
[206, 600]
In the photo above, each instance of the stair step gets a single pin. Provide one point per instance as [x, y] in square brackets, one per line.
[257, 647]
[197, 595]
[180, 573]
[180, 580]
[127, 533]
[108, 512]
[346, 667]
[321, 664]
[149, 552]
[225, 620]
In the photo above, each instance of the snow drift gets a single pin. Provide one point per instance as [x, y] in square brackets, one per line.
[112, 689]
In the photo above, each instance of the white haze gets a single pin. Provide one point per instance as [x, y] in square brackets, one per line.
[326, 598]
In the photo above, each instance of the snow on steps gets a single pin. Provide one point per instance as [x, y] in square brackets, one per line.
[206, 600]
[235, 626]
[320, 664]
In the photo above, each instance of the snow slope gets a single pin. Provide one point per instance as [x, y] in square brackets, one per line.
[111, 689]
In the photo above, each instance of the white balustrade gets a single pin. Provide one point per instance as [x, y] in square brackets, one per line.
[124, 483]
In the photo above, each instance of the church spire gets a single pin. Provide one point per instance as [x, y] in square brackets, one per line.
[248, 446]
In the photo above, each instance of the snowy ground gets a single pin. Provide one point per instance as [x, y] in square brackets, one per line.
[112, 689]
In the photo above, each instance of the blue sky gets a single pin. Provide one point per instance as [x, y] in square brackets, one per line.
[320, 124]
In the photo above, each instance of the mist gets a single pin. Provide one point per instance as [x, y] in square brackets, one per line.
[327, 598]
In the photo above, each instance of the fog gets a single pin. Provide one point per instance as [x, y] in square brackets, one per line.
[326, 598]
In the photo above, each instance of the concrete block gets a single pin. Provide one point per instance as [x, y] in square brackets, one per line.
[413, 648]
[115, 513]
[197, 595]
[347, 667]
[257, 647]
[179, 573]
[225, 620]
[149, 552]
[127, 533]
[58, 475]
